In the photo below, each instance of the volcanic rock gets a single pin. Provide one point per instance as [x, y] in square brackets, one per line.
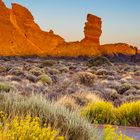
[92, 30]
[20, 35]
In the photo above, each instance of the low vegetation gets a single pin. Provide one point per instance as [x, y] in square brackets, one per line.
[27, 128]
[110, 134]
[69, 96]
[98, 61]
[70, 124]
[105, 113]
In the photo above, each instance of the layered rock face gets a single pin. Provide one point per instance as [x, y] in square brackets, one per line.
[118, 48]
[20, 35]
[92, 30]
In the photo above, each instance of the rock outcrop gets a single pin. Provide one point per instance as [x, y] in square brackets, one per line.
[21, 36]
[118, 48]
[92, 30]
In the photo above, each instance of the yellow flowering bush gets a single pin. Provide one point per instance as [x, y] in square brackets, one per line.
[106, 113]
[110, 134]
[129, 114]
[3, 116]
[27, 128]
[99, 112]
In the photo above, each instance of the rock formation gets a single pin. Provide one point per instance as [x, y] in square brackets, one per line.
[117, 48]
[92, 30]
[20, 36]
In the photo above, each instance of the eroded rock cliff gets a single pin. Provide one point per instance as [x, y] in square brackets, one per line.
[20, 35]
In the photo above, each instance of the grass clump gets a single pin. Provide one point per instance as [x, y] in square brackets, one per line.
[5, 87]
[110, 134]
[70, 124]
[28, 128]
[45, 79]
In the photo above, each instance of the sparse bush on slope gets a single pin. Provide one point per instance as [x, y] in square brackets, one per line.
[98, 61]
[86, 78]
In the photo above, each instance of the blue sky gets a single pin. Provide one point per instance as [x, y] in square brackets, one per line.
[121, 18]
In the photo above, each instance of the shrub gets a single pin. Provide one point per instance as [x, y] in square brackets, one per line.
[31, 77]
[36, 71]
[68, 102]
[64, 69]
[85, 98]
[123, 88]
[70, 124]
[99, 112]
[86, 78]
[5, 87]
[16, 71]
[45, 79]
[27, 128]
[137, 73]
[98, 61]
[3, 69]
[110, 134]
[129, 114]
[102, 72]
[78, 100]
[105, 113]
[48, 63]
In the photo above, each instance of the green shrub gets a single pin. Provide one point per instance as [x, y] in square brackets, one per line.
[36, 71]
[110, 134]
[45, 79]
[70, 124]
[3, 69]
[47, 63]
[5, 87]
[64, 69]
[99, 112]
[98, 61]
[123, 88]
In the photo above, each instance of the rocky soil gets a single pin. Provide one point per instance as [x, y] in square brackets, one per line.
[57, 77]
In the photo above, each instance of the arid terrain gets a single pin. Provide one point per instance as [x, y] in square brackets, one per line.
[58, 77]
[72, 83]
